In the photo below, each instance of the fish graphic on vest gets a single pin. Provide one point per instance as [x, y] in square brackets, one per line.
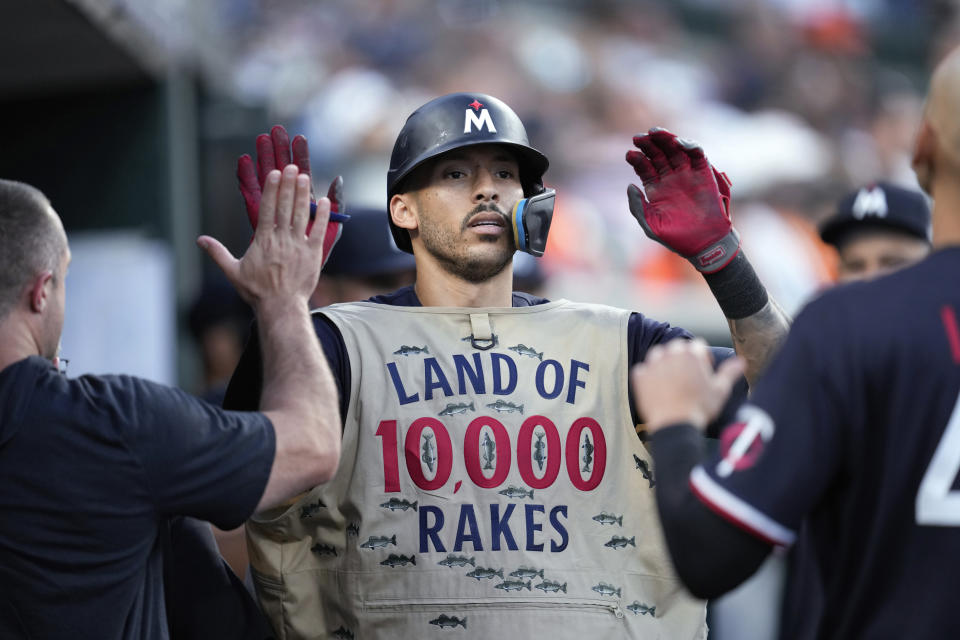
[607, 518]
[587, 458]
[489, 449]
[645, 470]
[377, 542]
[538, 450]
[548, 586]
[605, 589]
[428, 456]
[524, 350]
[406, 351]
[449, 621]
[638, 608]
[453, 409]
[483, 573]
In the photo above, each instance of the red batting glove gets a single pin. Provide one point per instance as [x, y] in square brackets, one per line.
[687, 202]
[274, 152]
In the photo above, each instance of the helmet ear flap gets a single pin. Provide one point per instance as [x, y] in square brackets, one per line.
[531, 218]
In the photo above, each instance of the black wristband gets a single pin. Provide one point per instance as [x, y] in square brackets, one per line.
[737, 288]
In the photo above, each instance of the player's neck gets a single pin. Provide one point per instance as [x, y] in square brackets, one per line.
[946, 214]
[436, 287]
[16, 341]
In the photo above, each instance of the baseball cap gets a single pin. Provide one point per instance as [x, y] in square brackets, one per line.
[880, 205]
[366, 248]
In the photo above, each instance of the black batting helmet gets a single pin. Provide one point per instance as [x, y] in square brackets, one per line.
[460, 120]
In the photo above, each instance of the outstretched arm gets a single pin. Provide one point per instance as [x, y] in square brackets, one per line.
[757, 337]
[685, 206]
[276, 276]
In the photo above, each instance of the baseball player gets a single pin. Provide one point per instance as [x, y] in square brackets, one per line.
[878, 229]
[854, 430]
[492, 483]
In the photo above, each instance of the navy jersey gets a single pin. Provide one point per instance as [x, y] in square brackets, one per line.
[91, 471]
[243, 392]
[856, 427]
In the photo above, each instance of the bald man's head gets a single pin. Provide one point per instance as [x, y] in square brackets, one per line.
[32, 240]
[938, 143]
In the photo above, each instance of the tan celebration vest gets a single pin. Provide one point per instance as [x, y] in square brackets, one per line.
[491, 485]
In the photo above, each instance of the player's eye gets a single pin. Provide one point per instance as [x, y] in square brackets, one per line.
[455, 174]
[504, 174]
[893, 261]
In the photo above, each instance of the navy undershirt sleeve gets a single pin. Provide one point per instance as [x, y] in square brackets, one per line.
[643, 333]
[246, 383]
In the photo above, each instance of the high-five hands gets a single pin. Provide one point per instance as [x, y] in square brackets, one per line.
[687, 203]
[676, 383]
[274, 152]
[282, 264]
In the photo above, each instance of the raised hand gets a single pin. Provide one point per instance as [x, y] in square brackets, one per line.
[282, 264]
[275, 151]
[687, 202]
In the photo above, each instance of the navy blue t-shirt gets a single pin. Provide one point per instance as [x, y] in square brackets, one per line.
[856, 427]
[243, 392]
[91, 469]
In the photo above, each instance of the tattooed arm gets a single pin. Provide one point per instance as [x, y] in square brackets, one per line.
[757, 323]
[757, 337]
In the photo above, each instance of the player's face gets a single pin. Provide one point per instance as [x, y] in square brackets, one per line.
[463, 211]
[878, 253]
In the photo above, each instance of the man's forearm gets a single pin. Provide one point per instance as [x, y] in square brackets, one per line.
[757, 323]
[300, 397]
[295, 373]
[757, 337]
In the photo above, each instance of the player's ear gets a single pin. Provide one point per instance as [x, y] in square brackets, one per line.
[40, 289]
[924, 153]
[403, 211]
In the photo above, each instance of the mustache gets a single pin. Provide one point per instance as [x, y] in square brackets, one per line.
[480, 208]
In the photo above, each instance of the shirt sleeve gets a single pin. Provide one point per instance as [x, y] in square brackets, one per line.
[197, 460]
[246, 383]
[784, 447]
[643, 333]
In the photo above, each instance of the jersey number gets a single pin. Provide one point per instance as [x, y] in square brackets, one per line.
[936, 504]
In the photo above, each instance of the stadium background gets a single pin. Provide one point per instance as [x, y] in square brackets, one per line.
[130, 114]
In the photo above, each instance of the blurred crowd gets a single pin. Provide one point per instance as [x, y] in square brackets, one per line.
[796, 102]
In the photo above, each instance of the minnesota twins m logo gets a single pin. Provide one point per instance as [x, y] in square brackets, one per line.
[870, 202]
[471, 119]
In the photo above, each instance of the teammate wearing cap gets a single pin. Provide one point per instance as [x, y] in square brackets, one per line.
[491, 480]
[878, 229]
[854, 430]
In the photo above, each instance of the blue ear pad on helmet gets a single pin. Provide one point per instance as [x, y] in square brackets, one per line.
[531, 222]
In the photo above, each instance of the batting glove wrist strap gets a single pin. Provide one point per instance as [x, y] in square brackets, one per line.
[737, 288]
